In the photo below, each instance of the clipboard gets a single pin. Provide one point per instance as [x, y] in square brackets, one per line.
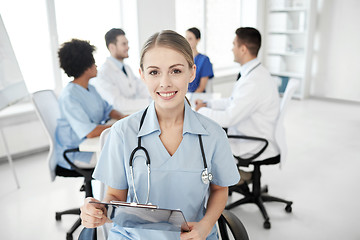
[143, 216]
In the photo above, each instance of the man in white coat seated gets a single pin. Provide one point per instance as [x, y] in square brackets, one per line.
[254, 105]
[115, 81]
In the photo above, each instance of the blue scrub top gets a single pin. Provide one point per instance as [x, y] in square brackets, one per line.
[175, 180]
[81, 111]
[203, 69]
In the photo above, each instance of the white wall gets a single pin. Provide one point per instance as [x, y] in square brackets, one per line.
[336, 71]
[130, 25]
[154, 16]
[23, 139]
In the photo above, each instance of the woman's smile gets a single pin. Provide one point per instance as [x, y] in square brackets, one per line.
[167, 95]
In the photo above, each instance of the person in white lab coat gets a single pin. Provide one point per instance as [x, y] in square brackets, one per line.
[115, 81]
[254, 105]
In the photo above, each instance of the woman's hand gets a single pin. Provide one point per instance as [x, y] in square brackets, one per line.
[216, 204]
[198, 231]
[93, 215]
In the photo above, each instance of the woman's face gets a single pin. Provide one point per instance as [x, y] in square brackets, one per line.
[91, 71]
[190, 37]
[166, 74]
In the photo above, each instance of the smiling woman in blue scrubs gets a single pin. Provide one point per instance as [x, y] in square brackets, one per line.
[170, 133]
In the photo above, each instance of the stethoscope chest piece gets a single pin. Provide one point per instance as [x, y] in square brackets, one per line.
[206, 177]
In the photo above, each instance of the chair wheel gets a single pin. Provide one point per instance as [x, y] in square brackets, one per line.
[69, 236]
[57, 216]
[267, 225]
[288, 208]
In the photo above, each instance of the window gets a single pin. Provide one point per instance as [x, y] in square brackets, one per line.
[87, 20]
[221, 22]
[33, 44]
[190, 13]
[29, 35]
[217, 21]
[90, 19]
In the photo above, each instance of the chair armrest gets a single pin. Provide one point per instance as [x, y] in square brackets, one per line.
[249, 159]
[87, 173]
[235, 225]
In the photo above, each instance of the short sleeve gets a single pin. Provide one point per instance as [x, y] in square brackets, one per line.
[77, 117]
[224, 170]
[207, 70]
[107, 110]
[110, 168]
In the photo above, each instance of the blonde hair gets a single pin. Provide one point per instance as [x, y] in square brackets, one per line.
[168, 39]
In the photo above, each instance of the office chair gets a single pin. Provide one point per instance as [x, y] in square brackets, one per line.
[90, 233]
[229, 220]
[47, 108]
[259, 195]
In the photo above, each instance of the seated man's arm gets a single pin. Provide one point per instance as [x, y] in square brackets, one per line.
[239, 106]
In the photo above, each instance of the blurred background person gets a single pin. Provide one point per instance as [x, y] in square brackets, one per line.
[204, 70]
[115, 80]
[254, 105]
[83, 111]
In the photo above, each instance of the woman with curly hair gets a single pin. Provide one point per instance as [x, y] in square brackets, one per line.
[83, 112]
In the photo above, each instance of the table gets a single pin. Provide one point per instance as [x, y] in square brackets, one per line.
[94, 145]
[192, 97]
[90, 145]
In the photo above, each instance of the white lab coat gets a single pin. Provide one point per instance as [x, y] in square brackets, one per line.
[251, 110]
[127, 94]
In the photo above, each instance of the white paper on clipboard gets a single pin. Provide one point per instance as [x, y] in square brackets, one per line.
[132, 215]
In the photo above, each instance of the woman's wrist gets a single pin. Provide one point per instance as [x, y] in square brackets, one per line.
[207, 226]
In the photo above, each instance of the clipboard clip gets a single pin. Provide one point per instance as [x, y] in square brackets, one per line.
[133, 204]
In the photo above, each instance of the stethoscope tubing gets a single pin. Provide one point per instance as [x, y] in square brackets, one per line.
[206, 176]
[132, 171]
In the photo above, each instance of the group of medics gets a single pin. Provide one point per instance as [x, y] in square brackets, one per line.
[192, 161]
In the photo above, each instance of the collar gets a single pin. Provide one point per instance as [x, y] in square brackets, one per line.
[118, 63]
[249, 66]
[198, 55]
[191, 125]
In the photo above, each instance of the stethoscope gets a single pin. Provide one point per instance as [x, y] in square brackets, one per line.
[206, 176]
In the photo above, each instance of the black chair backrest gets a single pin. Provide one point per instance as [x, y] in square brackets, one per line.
[229, 220]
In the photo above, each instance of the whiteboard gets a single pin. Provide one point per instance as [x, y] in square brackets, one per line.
[12, 85]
